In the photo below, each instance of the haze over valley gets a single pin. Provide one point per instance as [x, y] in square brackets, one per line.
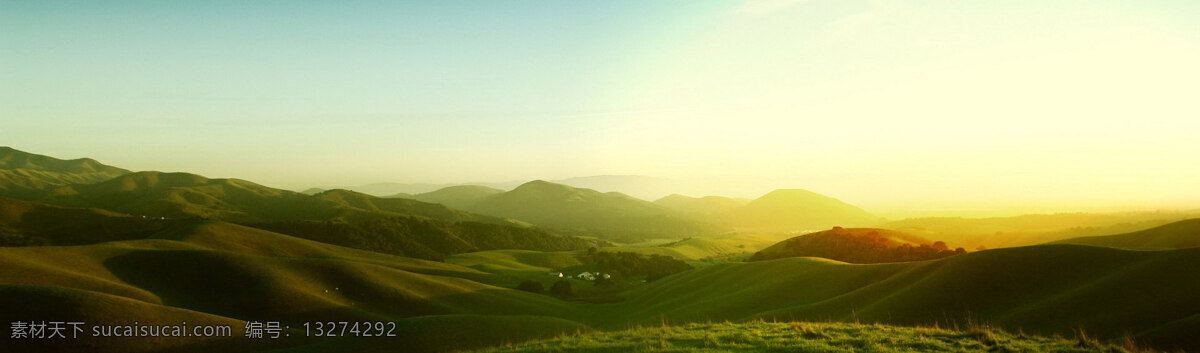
[615, 176]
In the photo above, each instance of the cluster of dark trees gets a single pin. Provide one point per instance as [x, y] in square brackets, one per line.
[863, 248]
[561, 288]
[425, 238]
[622, 264]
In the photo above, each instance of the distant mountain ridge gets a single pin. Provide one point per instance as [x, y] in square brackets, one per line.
[584, 211]
[797, 208]
[617, 215]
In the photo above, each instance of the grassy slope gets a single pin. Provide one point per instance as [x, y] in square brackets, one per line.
[1045, 289]
[524, 264]
[237, 273]
[182, 195]
[805, 337]
[1178, 235]
[231, 273]
[31, 223]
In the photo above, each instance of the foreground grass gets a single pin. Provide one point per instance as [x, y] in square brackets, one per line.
[808, 337]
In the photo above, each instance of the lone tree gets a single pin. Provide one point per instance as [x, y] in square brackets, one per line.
[562, 289]
[531, 286]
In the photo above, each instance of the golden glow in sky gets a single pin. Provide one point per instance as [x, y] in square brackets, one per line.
[1058, 105]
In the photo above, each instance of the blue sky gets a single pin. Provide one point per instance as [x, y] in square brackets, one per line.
[1058, 102]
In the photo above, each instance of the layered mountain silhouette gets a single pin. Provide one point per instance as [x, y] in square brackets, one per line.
[615, 215]
[184, 195]
[585, 211]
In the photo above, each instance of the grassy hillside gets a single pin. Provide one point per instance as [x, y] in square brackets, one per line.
[858, 245]
[585, 211]
[1041, 289]
[809, 337]
[24, 175]
[213, 272]
[1178, 235]
[395, 226]
[426, 238]
[183, 195]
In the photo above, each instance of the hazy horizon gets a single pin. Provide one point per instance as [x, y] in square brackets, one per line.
[1034, 106]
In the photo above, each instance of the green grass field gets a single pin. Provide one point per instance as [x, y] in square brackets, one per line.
[216, 272]
[809, 337]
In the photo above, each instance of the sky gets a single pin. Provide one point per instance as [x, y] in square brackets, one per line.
[955, 105]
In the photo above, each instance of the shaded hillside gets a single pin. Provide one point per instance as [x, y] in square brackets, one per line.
[858, 245]
[1178, 235]
[183, 195]
[25, 223]
[219, 273]
[460, 197]
[24, 175]
[702, 206]
[585, 211]
[798, 209]
[426, 238]
[1040, 289]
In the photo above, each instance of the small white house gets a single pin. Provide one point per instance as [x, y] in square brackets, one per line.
[556, 274]
[605, 276]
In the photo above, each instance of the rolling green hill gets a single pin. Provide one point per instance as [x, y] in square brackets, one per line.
[1040, 289]
[394, 226]
[216, 271]
[1178, 235]
[220, 273]
[858, 245]
[426, 238]
[183, 195]
[585, 211]
[798, 209]
[24, 175]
